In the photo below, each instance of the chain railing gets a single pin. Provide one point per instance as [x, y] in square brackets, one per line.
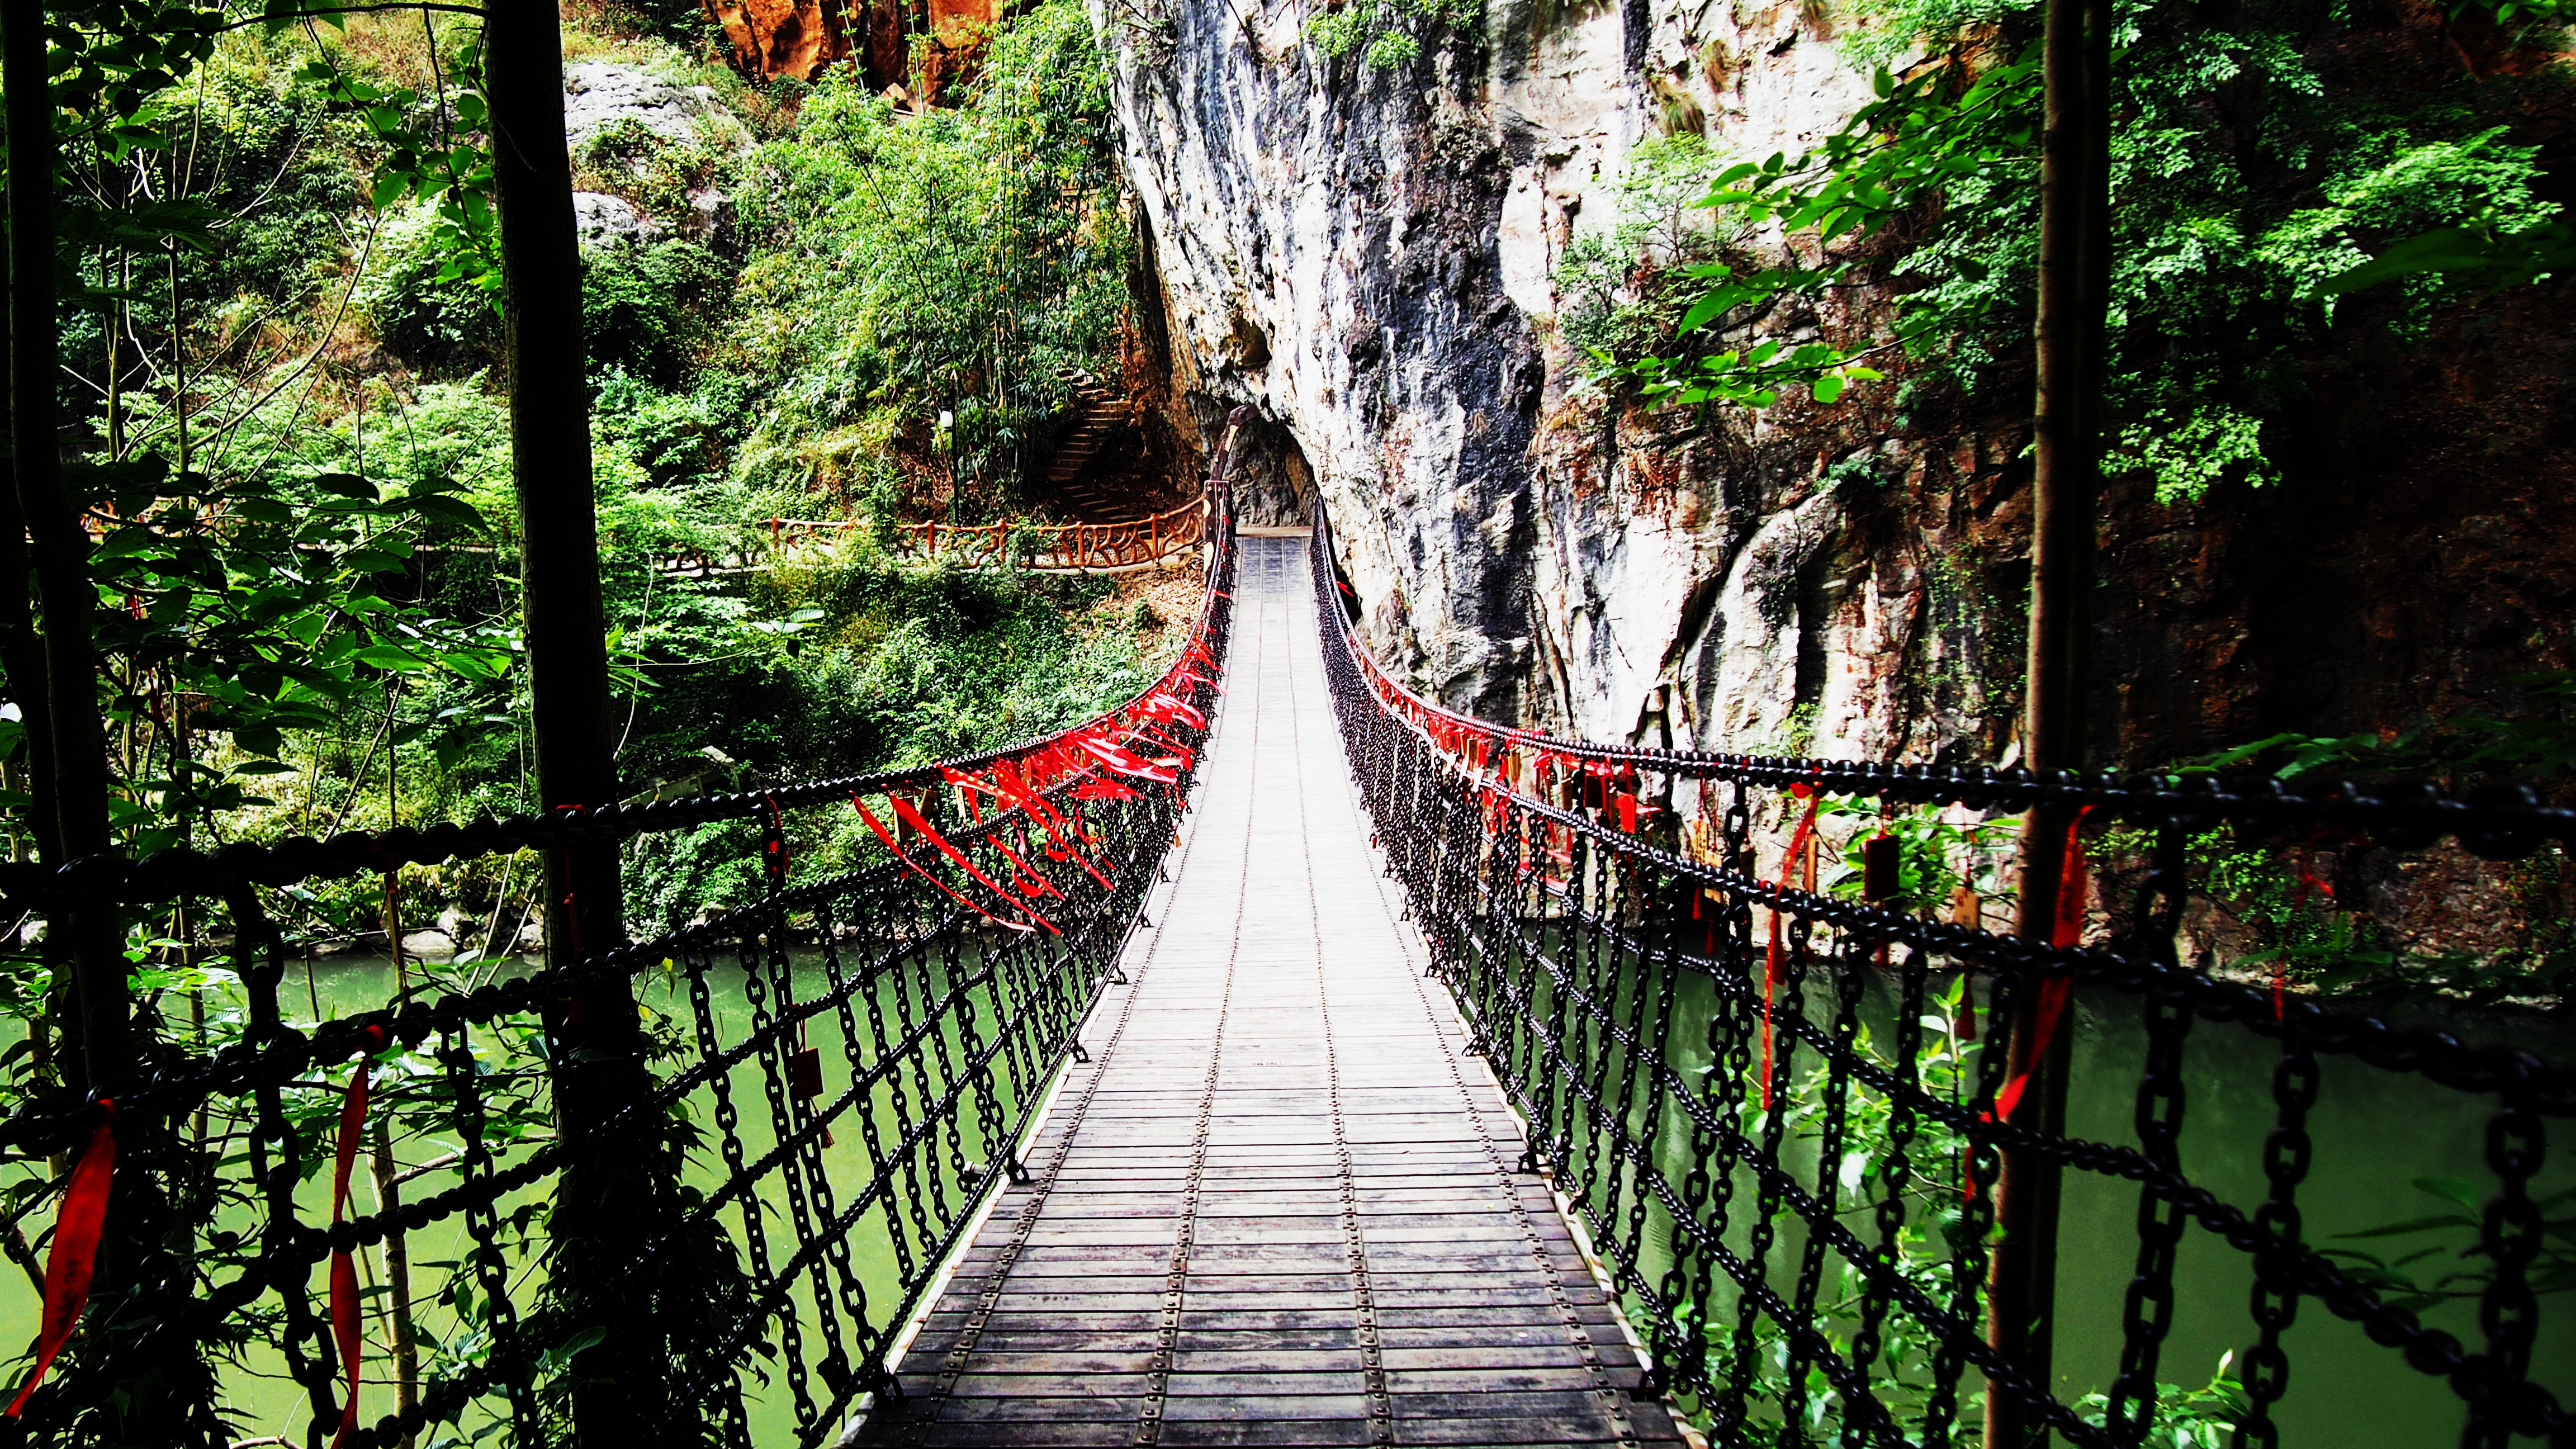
[1771, 1105]
[824, 1085]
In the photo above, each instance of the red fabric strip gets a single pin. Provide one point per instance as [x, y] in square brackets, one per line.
[1030, 881]
[73, 1256]
[2308, 881]
[1123, 761]
[903, 811]
[2066, 927]
[1183, 753]
[1026, 796]
[887, 836]
[344, 1269]
[1771, 957]
[777, 842]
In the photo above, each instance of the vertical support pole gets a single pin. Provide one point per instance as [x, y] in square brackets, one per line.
[162, 1388]
[607, 1200]
[77, 768]
[2074, 289]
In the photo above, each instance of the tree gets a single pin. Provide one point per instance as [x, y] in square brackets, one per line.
[2074, 300]
[607, 1202]
[52, 687]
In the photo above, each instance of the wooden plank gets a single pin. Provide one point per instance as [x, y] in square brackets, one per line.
[1320, 1432]
[1266, 1407]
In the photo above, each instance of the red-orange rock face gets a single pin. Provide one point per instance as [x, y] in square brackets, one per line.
[803, 38]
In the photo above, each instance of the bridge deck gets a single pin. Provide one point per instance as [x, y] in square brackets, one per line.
[1279, 1205]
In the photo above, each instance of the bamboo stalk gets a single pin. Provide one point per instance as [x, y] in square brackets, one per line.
[399, 1340]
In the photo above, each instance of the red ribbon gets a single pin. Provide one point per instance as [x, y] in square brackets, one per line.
[1771, 958]
[1181, 753]
[1019, 791]
[344, 1268]
[2065, 928]
[776, 845]
[74, 1254]
[1030, 881]
[1125, 762]
[1165, 705]
[904, 812]
[2308, 881]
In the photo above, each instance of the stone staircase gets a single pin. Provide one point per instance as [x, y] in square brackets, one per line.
[1097, 412]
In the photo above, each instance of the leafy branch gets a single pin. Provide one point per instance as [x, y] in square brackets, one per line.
[1904, 149]
[453, 174]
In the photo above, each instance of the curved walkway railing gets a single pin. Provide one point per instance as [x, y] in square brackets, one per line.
[1042, 547]
[577, 1221]
[1771, 1101]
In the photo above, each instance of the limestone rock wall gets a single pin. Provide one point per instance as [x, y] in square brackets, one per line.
[1370, 258]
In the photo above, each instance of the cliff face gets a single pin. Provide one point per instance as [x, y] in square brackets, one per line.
[1370, 258]
[923, 48]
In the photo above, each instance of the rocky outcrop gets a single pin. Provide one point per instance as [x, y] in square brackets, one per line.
[922, 47]
[601, 94]
[1372, 259]
[604, 220]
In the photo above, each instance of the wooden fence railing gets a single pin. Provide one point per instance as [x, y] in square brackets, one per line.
[1050, 546]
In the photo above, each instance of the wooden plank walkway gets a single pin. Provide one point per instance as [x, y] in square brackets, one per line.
[1278, 1206]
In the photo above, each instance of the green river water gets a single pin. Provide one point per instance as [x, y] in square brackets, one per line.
[2373, 1131]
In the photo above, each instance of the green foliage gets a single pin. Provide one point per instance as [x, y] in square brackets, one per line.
[645, 309]
[1936, 855]
[2255, 168]
[1921, 1169]
[2441, 1256]
[1914, 143]
[2540, 743]
[853, 664]
[2191, 453]
[329, 578]
[1389, 33]
[432, 152]
[1617, 283]
[955, 261]
[419, 307]
[2198, 1418]
[645, 167]
[2304, 933]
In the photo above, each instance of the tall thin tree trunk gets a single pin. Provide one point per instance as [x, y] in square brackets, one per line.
[404, 1348]
[606, 1205]
[61, 548]
[135, 1264]
[2074, 291]
[22, 654]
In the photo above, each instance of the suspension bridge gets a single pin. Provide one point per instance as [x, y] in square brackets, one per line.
[1281, 1203]
[1278, 1058]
